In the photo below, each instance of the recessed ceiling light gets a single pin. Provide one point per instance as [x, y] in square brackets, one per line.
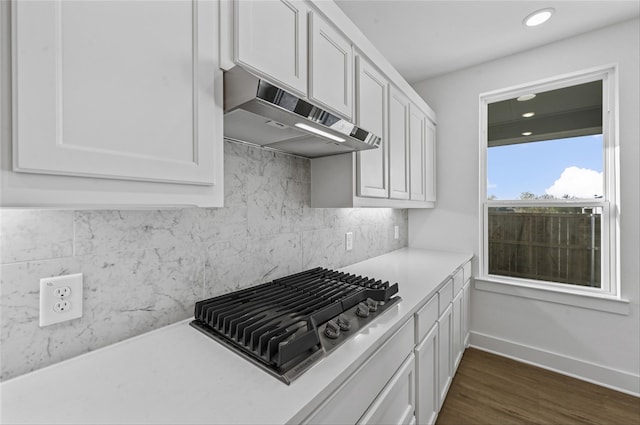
[538, 17]
[527, 133]
[525, 97]
[528, 114]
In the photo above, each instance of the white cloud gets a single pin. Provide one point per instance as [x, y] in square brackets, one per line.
[577, 182]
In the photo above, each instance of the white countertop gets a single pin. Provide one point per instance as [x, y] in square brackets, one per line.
[178, 375]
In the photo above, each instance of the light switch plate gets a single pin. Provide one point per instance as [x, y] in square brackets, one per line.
[60, 299]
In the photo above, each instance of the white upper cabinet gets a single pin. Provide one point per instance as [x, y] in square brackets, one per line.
[270, 39]
[371, 111]
[97, 96]
[430, 161]
[126, 91]
[417, 147]
[330, 67]
[398, 144]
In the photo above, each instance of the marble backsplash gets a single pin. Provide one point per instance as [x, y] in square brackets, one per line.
[144, 269]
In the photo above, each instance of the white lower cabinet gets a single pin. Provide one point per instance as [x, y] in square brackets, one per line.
[457, 337]
[396, 403]
[407, 379]
[363, 389]
[445, 331]
[427, 378]
[466, 308]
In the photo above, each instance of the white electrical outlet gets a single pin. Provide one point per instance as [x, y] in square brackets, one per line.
[60, 299]
[396, 232]
[349, 241]
[61, 306]
[62, 292]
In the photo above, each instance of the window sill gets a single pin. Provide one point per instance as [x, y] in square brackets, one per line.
[589, 301]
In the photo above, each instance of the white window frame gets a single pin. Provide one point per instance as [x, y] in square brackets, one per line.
[610, 222]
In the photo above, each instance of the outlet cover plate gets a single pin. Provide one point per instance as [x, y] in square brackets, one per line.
[349, 241]
[48, 299]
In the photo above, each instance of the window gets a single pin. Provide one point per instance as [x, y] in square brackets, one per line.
[548, 192]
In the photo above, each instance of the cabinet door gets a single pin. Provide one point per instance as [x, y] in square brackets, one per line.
[271, 39]
[119, 90]
[330, 67]
[456, 339]
[396, 403]
[398, 145]
[371, 112]
[430, 161]
[445, 331]
[417, 152]
[466, 307]
[427, 378]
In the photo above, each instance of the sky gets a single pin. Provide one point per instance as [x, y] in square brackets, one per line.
[560, 167]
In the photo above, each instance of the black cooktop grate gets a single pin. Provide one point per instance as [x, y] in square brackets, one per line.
[277, 323]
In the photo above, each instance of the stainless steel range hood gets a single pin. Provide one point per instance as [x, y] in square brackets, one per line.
[258, 112]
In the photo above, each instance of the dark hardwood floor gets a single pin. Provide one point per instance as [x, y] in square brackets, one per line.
[494, 390]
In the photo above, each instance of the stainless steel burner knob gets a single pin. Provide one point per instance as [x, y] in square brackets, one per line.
[372, 304]
[343, 322]
[332, 330]
[362, 310]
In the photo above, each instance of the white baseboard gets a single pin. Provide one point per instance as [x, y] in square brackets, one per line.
[611, 378]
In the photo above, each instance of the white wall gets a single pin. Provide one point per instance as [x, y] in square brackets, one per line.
[594, 345]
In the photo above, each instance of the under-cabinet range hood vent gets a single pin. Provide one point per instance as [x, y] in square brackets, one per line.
[258, 112]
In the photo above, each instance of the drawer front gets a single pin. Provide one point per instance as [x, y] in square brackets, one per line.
[350, 401]
[396, 404]
[458, 282]
[426, 317]
[445, 296]
[467, 271]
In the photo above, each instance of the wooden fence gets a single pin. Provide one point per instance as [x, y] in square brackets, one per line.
[545, 246]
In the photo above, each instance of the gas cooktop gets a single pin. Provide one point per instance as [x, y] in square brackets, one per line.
[287, 325]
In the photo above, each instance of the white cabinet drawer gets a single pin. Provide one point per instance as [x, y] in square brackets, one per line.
[349, 402]
[445, 296]
[458, 282]
[396, 404]
[467, 271]
[426, 317]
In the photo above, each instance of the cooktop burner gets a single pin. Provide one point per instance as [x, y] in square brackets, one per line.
[287, 325]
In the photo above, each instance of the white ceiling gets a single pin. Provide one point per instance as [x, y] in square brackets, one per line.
[425, 38]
